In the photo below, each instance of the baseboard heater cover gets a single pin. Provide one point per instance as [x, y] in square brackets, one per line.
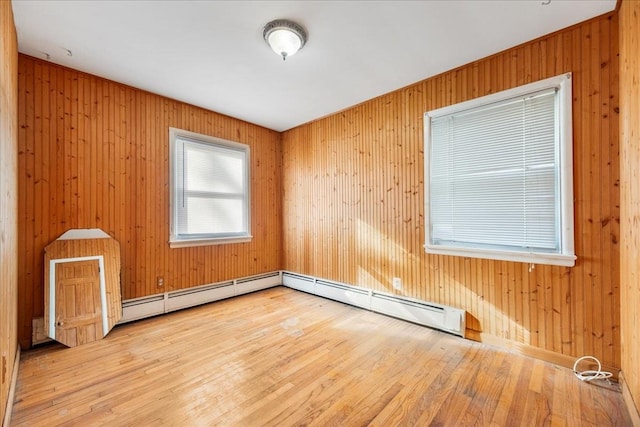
[339, 292]
[301, 283]
[140, 308]
[445, 318]
[198, 295]
[437, 316]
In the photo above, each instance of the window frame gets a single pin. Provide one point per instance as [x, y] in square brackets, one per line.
[179, 241]
[566, 253]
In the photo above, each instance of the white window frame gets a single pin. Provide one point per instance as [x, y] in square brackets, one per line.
[176, 136]
[565, 256]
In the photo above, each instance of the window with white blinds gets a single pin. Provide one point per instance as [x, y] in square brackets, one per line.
[210, 190]
[499, 176]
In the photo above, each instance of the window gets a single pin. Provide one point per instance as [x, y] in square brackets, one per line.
[499, 176]
[209, 190]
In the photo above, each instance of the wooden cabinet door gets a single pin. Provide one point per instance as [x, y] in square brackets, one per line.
[78, 316]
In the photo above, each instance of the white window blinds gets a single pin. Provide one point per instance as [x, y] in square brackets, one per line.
[495, 176]
[210, 189]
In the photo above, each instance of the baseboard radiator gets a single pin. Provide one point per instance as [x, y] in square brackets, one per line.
[139, 308]
[441, 317]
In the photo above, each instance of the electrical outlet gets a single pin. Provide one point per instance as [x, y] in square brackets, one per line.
[160, 281]
[397, 283]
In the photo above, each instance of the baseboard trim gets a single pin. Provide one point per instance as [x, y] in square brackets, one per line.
[12, 390]
[535, 352]
[634, 413]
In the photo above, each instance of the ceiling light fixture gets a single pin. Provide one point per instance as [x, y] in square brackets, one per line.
[284, 37]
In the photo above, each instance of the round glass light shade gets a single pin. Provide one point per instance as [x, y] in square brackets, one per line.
[284, 37]
[284, 42]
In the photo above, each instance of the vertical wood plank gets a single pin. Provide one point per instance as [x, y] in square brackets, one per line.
[10, 206]
[629, 31]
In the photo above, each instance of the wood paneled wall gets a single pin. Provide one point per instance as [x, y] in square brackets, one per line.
[94, 154]
[630, 194]
[8, 200]
[354, 201]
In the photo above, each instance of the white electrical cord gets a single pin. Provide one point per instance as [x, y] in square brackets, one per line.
[590, 374]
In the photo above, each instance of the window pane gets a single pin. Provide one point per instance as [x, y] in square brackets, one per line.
[211, 216]
[213, 169]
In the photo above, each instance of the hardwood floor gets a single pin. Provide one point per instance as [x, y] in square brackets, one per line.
[282, 357]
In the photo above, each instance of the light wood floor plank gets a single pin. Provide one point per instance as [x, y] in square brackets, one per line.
[281, 357]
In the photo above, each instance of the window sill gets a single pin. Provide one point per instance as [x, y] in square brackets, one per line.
[564, 260]
[208, 242]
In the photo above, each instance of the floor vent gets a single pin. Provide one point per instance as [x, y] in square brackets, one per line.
[140, 308]
[442, 317]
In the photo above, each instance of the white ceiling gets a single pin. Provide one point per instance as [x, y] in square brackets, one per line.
[211, 53]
